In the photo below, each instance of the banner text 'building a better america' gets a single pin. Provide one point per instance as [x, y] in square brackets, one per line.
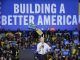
[43, 13]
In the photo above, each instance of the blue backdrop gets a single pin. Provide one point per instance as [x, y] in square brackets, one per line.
[71, 8]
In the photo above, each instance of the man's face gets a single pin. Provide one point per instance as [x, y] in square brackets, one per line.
[41, 39]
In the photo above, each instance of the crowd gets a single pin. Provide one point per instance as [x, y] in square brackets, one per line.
[65, 45]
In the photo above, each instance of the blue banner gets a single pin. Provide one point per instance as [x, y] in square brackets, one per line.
[45, 14]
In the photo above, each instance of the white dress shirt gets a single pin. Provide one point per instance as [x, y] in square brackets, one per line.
[43, 48]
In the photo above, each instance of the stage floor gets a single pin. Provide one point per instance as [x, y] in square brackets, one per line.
[26, 54]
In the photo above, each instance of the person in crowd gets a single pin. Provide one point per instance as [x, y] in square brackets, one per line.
[65, 52]
[76, 41]
[1, 51]
[57, 52]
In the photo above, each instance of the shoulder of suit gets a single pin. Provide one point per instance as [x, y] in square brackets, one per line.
[45, 44]
[38, 43]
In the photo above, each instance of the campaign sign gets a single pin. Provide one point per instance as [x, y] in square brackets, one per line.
[45, 14]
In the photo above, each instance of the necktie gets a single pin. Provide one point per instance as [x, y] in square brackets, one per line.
[42, 48]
